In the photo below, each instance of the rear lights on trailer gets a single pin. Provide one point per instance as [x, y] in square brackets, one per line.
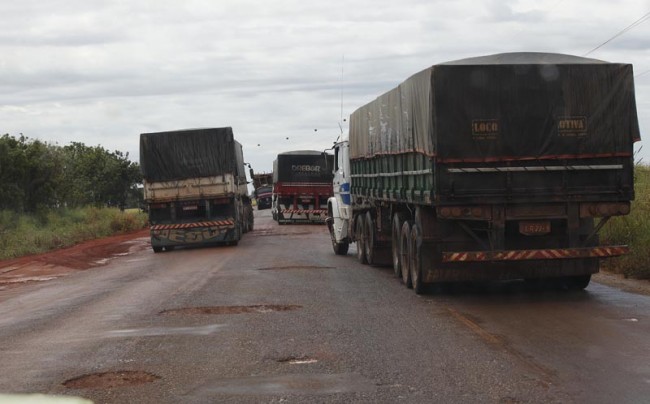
[465, 212]
[590, 209]
[604, 209]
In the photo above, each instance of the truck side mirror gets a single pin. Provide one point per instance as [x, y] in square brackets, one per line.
[327, 165]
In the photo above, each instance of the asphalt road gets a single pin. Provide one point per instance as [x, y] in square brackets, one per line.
[280, 318]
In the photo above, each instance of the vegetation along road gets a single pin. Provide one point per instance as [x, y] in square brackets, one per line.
[280, 318]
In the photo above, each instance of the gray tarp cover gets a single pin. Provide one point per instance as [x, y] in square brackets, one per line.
[303, 166]
[500, 107]
[191, 153]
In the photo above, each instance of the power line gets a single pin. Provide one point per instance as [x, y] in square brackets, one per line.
[641, 20]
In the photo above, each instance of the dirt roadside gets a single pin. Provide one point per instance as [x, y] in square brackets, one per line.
[55, 264]
[95, 253]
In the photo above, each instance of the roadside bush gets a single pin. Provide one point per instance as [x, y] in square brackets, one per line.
[633, 230]
[22, 234]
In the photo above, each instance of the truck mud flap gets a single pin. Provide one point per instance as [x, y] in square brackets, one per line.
[164, 235]
[303, 216]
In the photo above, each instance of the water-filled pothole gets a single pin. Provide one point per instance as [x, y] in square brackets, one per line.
[294, 267]
[256, 308]
[107, 380]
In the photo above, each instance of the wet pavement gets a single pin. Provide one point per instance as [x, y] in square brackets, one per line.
[280, 318]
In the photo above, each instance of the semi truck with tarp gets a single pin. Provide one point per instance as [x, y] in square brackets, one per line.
[302, 183]
[195, 187]
[489, 168]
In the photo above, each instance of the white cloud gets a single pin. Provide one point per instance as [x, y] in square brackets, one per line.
[101, 72]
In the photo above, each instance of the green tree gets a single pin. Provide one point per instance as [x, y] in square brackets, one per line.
[35, 175]
[29, 173]
[95, 176]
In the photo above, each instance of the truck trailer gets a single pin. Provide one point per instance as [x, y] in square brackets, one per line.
[195, 187]
[489, 168]
[302, 183]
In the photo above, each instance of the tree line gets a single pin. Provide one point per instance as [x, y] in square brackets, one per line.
[37, 175]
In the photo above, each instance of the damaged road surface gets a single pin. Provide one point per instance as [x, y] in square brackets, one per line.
[280, 318]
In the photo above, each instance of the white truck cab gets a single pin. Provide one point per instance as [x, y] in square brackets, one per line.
[339, 208]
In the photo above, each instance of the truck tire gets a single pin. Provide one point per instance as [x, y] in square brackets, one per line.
[396, 231]
[404, 252]
[578, 282]
[369, 239]
[251, 220]
[341, 248]
[361, 244]
[157, 249]
[415, 259]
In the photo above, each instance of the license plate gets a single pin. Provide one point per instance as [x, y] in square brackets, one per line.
[535, 228]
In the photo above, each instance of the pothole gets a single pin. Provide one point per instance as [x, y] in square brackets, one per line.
[297, 360]
[257, 308]
[108, 380]
[294, 267]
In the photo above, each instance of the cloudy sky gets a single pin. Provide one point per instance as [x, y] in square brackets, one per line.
[282, 73]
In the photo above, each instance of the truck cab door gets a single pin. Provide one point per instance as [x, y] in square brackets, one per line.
[341, 182]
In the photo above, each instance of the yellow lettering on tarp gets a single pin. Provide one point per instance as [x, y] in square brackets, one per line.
[485, 129]
[572, 126]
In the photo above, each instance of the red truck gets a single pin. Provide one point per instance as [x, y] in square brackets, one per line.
[302, 183]
[263, 184]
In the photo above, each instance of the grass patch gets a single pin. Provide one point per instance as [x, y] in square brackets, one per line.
[31, 234]
[633, 230]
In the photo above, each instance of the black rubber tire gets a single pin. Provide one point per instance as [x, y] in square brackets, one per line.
[340, 248]
[157, 249]
[369, 239]
[396, 232]
[415, 259]
[404, 249]
[360, 239]
[578, 282]
[170, 248]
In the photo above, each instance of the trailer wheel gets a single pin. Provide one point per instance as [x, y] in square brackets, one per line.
[157, 249]
[404, 252]
[369, 238]
[396, 231]
[251, 220]
[415, 259]
[577, 282]
[361, 242]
